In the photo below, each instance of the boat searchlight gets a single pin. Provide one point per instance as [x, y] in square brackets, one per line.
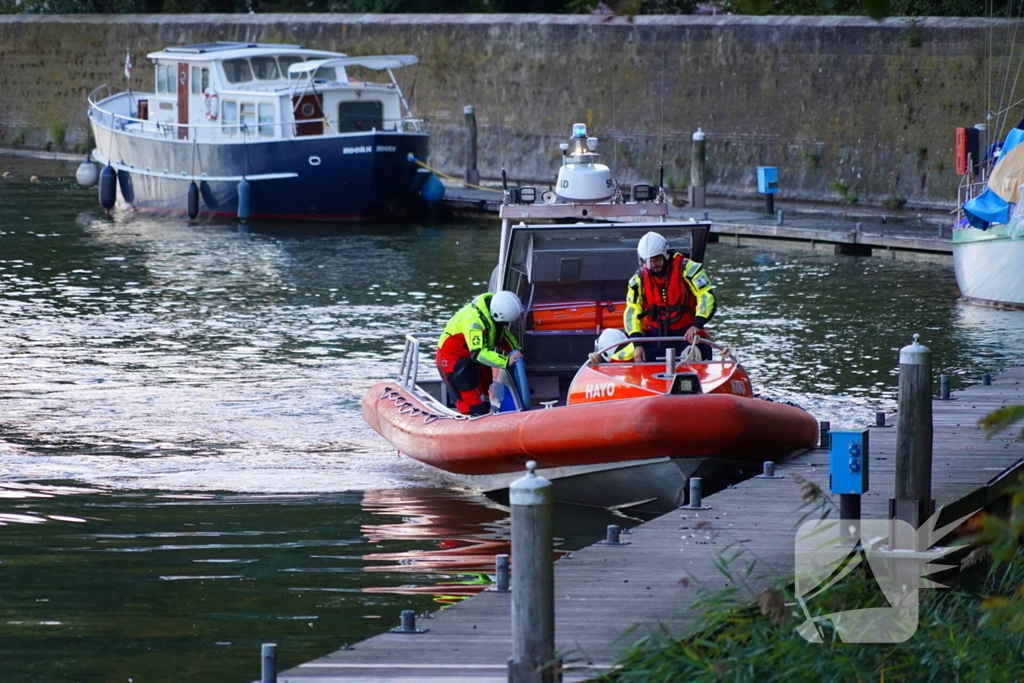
[581, 178]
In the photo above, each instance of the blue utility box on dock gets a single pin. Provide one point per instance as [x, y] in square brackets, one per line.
[767, 179]
[848, 462]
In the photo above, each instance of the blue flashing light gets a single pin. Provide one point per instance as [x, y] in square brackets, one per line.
[579, 130]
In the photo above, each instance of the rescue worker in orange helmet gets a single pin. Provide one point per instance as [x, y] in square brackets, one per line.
[669, 296]
[474, 341]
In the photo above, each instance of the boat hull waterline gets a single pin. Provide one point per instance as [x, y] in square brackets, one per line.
[703, 425]
[330, 181]
[987, 266]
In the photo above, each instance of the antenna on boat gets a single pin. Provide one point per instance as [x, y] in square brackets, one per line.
[615, 146]
[661, 136]
[501, 144]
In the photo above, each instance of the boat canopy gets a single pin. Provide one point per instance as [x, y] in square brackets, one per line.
[376, 63]
[223, 51]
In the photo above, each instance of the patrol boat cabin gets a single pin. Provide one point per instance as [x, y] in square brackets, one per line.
[624, 435]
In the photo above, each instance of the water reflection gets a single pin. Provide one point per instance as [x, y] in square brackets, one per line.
[113, 585]
[188, 395]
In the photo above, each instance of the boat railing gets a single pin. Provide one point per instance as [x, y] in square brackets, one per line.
[109, 117]
[727, 354]
[408, 371]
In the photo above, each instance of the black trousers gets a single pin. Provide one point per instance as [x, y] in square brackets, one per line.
[653, 349]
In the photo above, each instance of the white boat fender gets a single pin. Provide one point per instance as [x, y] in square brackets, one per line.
[87, 174]
[244, 200]
[433, 189]
[193, 200]
[108, 187]
[211, 104]
[124, 181]
[208, 197]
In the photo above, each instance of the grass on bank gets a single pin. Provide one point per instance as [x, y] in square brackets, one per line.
[971, 633]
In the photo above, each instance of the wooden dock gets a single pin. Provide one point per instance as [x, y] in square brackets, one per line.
[602, 591]
[823, 230]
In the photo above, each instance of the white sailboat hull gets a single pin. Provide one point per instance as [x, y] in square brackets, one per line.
[989, 266]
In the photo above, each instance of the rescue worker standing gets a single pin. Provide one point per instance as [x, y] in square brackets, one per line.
[475, 340]
[669, 296]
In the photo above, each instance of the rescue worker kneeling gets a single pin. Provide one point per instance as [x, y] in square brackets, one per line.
[475, 340]
[604, 351]
[670, 296]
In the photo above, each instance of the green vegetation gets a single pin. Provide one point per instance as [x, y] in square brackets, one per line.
[57, 133]
[972, 633]
[912, 33]
[810, 158]
[893, 203]
[843, 190]
[676, 182]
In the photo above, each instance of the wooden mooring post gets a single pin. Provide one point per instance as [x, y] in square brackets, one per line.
[472, 174]
[912, 502]
[533, 581]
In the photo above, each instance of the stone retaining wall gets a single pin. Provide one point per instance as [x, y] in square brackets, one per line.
[833, 102]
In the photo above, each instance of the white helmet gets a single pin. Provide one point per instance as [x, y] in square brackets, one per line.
[650, 245]
[506, 307]
[608, 337]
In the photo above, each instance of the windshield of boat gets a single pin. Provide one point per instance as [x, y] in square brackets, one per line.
[237, 71]
[266, 68]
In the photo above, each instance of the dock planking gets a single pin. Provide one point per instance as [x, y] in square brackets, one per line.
[608, 597]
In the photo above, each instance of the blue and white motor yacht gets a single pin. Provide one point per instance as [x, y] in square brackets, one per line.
[268, 131]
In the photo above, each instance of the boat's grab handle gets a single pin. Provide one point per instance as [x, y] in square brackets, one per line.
[728, 355]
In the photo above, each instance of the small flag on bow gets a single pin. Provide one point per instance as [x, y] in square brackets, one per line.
[128, 65]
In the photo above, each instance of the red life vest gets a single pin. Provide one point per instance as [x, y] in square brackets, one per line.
[670, 302]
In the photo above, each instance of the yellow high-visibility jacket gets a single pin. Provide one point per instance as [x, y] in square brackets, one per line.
[623, 354]
[473, 321]
[694, 278]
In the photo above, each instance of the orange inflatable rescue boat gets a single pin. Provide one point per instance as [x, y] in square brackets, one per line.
[620, 435]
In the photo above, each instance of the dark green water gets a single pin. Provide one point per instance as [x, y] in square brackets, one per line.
[185, 471]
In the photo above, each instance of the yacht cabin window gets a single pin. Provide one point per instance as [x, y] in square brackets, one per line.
[165, 80]
[266, 116]
[237, 70]
[229, 117]
[265, 68]
[247, 117]
[200, 80]
[287, 60]
[354, 117]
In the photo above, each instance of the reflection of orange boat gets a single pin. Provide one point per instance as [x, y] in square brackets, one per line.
[454, 527]
[614, 435]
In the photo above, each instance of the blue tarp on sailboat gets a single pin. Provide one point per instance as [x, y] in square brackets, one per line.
[988, 207]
